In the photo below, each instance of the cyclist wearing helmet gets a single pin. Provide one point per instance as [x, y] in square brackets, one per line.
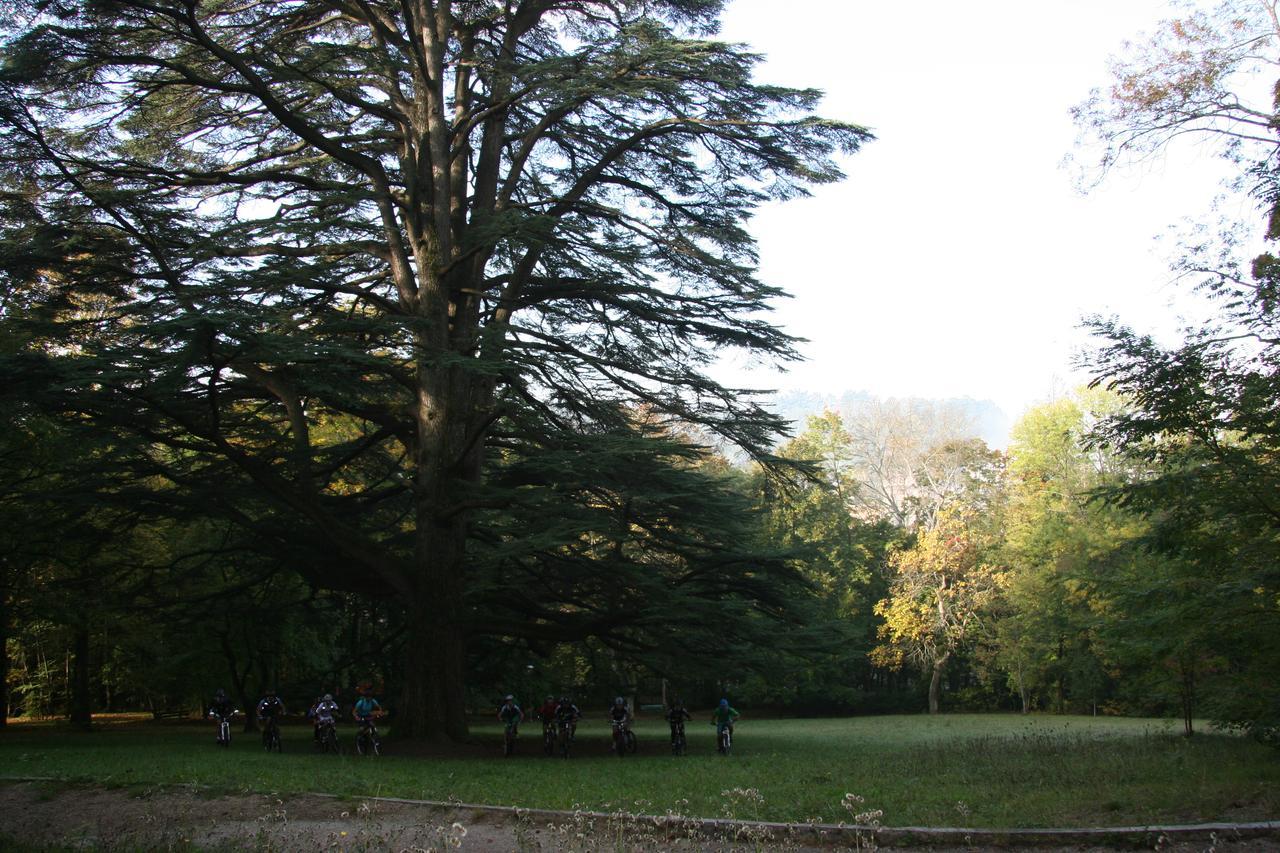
[271, 706]
[547, 712]
[366, 706]
[220, 709]
[510, 713]
[221, 706]
[619, 712]
[568, 714]
[620, 717]
[723, 716]
[676, 715]
[324, 713]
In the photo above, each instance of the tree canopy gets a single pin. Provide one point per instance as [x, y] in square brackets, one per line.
[331, 262]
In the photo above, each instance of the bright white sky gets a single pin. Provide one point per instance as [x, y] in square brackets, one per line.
[957, 259]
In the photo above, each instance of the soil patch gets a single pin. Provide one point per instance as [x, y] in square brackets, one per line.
[41, 815]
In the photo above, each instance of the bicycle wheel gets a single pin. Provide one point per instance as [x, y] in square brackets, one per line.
[629, 738]
[224, 734]
[619, 743]
[726, 742]
[508, 743]
[329, 741]
[275, 739]
[549, 741]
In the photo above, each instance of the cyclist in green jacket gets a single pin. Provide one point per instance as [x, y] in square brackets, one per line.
[723, 716]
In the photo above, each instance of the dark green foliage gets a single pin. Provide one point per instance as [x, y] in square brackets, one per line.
[319, 271]
[1205, 424]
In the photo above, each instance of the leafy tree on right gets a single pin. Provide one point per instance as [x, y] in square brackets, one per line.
[1204, 417]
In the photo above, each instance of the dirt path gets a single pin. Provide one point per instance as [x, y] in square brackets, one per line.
[35, 815]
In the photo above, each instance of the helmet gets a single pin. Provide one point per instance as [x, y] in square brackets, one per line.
[328, 697]
[618, 700]
[564, 700]
[551, 698]
[724, 703]
[508, 698]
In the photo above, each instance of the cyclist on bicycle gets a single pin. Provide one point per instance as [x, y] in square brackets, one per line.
[221, 706]
[620, 715]
[220, 709]
[547, 714]
[271, 706]
[722, 718]
[323, 713]
[568, 714]
[676, 716]
[510, 713]
[366, 707]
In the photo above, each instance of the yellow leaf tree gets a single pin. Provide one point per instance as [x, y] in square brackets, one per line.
[937, 598]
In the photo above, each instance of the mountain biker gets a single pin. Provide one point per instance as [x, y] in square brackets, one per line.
[676, 716]
[220, 709]
[366, 706]
[221, 706]
[620, 715]
[510, 713]
[567, 713]
[722, 718]
[323, 713]
[270, 706]
[547, 713]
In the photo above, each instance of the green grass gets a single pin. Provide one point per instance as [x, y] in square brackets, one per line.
[963, 770]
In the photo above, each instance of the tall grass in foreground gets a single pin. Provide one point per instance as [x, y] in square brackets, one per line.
[968, 770]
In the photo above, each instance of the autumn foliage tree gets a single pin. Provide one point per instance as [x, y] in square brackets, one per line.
[940, 590]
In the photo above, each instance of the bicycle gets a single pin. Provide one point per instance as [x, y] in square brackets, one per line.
[367, 742]
[549, 737]
[509, 740]
[678, 742]
[329, 737]
[224, 727]
[271, 736]
[564, 737]
[724, 738]
[624, 740]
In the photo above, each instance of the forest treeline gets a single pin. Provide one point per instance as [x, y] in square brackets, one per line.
[900, 564]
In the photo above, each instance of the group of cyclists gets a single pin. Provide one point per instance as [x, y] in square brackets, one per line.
[560, 722]
[323, 714]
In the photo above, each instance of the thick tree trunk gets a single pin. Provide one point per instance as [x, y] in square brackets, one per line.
[935, 684]
[81, 707]
[434, 694]
[435, 651]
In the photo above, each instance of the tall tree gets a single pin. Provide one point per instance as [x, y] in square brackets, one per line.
[1203, 417]
[460, 224]
[938, 597]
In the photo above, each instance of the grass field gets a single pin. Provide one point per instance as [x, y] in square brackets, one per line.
[962, 770]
